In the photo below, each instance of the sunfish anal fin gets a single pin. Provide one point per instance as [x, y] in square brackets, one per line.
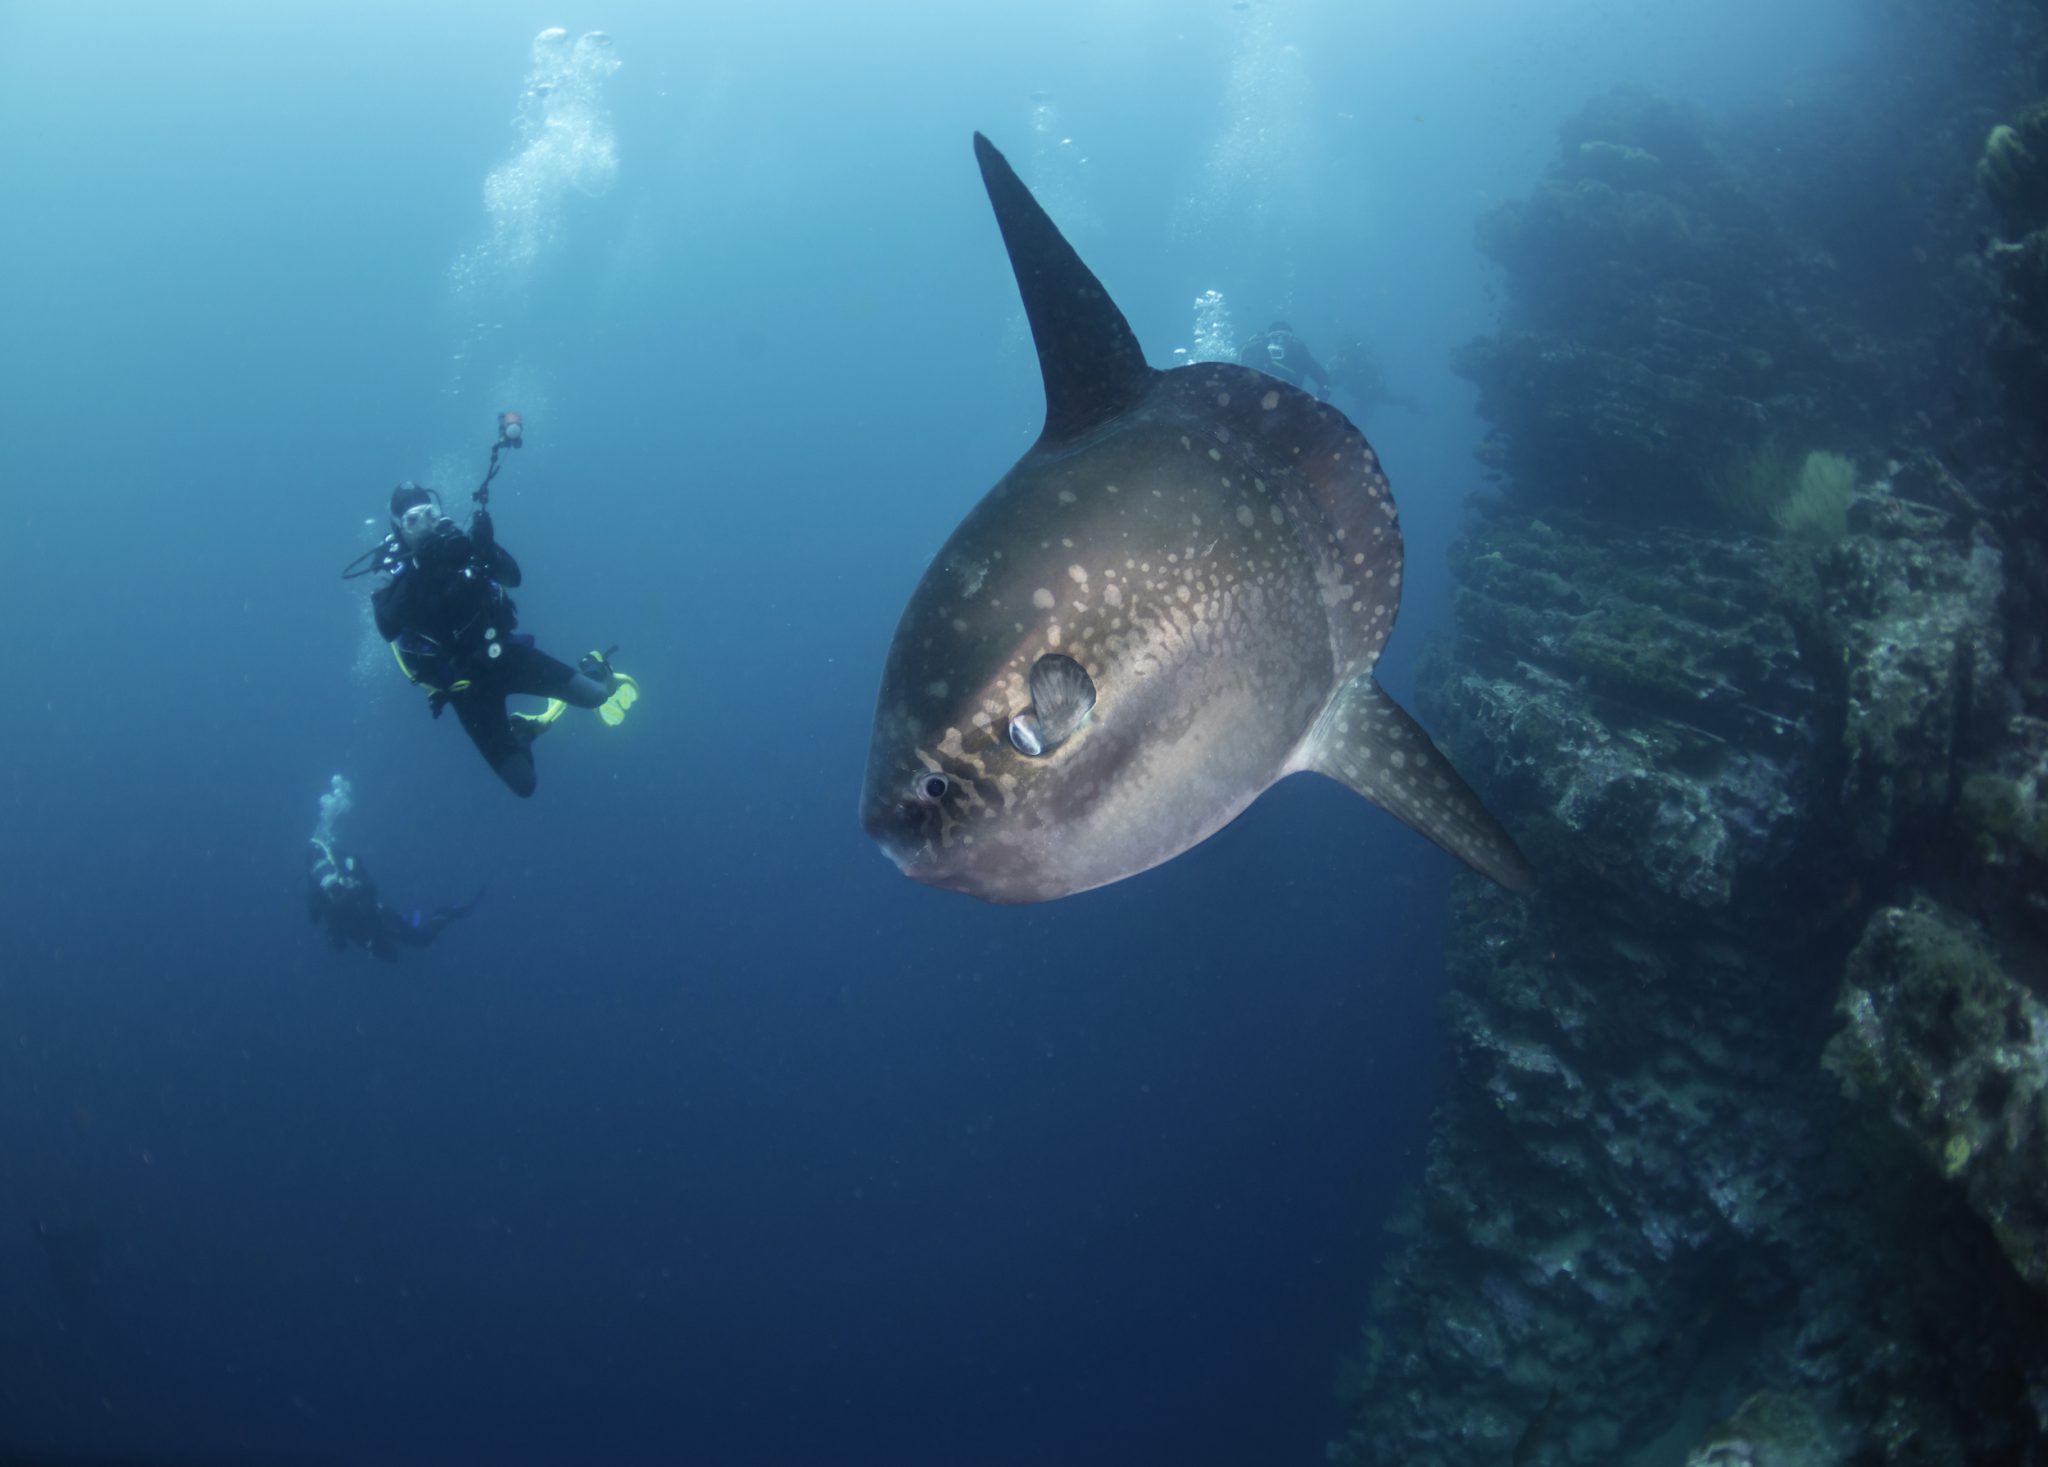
[1365, 740]
[1093, 367]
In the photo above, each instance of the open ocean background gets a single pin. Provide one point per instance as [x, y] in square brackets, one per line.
[709, 1138]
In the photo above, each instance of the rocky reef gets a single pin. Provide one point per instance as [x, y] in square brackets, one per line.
[1667, 316]
[2014, 174]
[1954, 1050]
[1743, 1150]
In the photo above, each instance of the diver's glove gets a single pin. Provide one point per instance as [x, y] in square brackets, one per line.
[446, 546]
[436, 701]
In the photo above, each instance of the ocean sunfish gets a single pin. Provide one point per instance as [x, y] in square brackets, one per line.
[1174, 599]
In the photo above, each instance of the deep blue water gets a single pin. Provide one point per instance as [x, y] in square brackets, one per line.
[710, 1138]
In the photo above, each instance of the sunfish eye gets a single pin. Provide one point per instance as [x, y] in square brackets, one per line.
[1025, 736]
[930, 788]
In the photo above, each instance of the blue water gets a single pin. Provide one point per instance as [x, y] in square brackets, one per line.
[709, 1138]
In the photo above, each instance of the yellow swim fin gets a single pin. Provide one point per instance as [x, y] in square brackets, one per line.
[625, 691]
[613, 709]
[530, 726]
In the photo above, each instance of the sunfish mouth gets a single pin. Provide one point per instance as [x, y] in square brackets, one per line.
[912, 858]
[899, 831]
[893, 828]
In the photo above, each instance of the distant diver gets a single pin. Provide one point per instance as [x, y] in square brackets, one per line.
[444, 610]
[1278, 352]
[341, 897]
[1356, 373]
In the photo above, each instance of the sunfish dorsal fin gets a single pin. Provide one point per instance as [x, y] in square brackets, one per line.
[1092, 364]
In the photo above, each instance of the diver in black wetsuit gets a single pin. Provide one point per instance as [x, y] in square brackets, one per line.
[445, 612]
[340, 895]
[1278, 352]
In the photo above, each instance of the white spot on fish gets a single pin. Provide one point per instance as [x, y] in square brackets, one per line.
[1042, 599]
[1244, 515]
[1077, 575]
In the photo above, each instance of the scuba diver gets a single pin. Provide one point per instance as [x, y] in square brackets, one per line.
[1278, 352]
[340, 894]
[1355, 370]
[443, 608]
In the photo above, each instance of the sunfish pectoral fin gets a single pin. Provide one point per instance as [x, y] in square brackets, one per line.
[1367, 741]
[1062, 693]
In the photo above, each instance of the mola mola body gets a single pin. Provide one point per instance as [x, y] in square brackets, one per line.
[1174, 599]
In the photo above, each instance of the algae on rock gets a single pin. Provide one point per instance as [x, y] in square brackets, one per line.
[1953, 1051]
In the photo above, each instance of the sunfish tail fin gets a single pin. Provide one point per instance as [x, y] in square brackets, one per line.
[1366, 741]
[1093, 366]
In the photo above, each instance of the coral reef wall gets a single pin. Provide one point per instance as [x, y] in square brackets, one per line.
[1743, 1157]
